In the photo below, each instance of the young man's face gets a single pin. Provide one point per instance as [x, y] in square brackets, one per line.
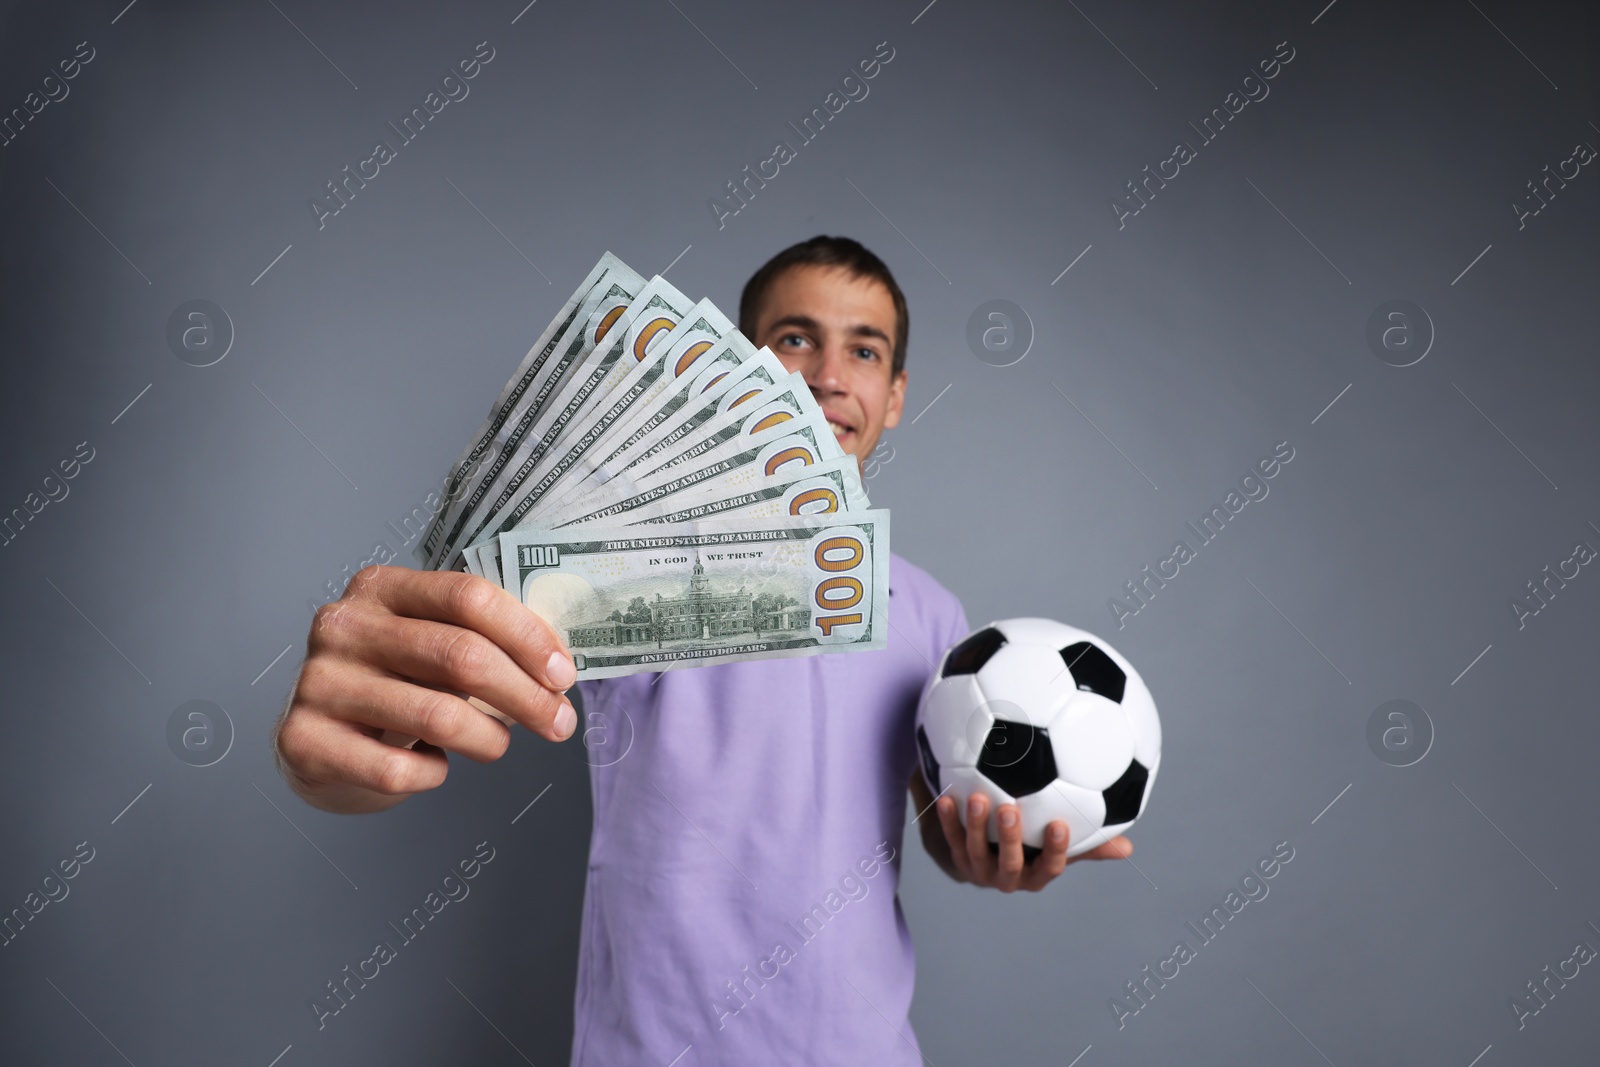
[837, 330]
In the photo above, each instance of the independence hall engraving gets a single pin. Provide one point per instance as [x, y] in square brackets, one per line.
[700, 614]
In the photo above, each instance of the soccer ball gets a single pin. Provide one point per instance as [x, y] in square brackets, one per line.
[1048, 717]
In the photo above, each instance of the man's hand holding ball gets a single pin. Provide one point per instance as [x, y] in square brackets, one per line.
[977, 861]
[1050, 739]
[964, 852]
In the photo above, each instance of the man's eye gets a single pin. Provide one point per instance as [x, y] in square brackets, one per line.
[866, 353]
[793, 340]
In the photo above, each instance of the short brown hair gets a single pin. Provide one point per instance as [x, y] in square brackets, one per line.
[824, 251]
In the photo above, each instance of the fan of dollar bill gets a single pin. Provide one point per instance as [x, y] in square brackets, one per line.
[665, 494]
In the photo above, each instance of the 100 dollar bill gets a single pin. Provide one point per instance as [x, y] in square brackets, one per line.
[735, 374]
[821, 489]
[609, 275]
[631, 600]
[682, 349]
[656, 309]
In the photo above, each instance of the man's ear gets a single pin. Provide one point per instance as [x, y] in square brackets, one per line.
[897, 400]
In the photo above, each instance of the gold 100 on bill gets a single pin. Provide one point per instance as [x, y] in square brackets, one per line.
[712, 591]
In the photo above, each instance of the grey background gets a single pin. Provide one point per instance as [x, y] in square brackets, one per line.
[1208, 329]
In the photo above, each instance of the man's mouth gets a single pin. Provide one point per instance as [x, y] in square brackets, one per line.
[839, 428]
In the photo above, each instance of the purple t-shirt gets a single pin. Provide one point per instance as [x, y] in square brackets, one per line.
[741, 900]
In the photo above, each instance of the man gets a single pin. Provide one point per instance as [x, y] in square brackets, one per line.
[741, 891]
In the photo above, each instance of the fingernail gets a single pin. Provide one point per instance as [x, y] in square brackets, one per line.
[1058, 834]
[560, 671]
[1008, 818]
[566, 722]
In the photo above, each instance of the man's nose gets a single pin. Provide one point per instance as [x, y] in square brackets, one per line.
[826, 373]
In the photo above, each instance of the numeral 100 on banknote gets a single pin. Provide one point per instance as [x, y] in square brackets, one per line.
[531, 557]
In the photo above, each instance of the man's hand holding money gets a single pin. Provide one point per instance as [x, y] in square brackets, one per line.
[403, 650]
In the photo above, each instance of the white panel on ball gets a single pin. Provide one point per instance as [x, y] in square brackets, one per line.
[1025, 683]
[1092, 741]
[1140, 709]
[1094, 840]
[957, 720]
[1083, 811]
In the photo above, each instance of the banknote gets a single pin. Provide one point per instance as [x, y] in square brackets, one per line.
[648, 598]
[701, 352]
[483, 559]
[824, 488]
[597, 319]
[781, 426]
[754, 384]
[596, 316]
[547, 412]
[737, 465]
[789, 397]
[573, 313]
[735, 374]
[680, 351]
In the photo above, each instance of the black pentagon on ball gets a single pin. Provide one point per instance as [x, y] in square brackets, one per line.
[1094, 671]
[1017, 757]
[1124, 795]
[973, 652]
[930, 766]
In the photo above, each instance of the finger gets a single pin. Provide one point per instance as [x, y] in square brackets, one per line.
[954, 835]
[442, 719]
[1009, 865]
[1053, 860]
[1117, 848]
[978, 839]
[462, 660]
[327, 754]
[491, 711]
[478, 604]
